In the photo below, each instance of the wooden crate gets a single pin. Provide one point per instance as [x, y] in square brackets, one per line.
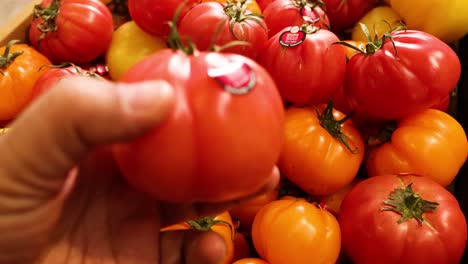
[17, 28]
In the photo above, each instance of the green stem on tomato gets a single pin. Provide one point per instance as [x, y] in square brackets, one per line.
[7, 57]
[49, 16]
[206, 224]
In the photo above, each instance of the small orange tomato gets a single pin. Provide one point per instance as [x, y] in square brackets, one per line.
[221, 224]
[430, 143]
[241, 247]
[251, 5]
[250, 261]
[295, 231]
[333, 201]
[322, 150]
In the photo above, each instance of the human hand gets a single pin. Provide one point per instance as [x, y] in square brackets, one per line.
[62, 198]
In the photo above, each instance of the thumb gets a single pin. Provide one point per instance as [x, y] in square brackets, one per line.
[57, 131]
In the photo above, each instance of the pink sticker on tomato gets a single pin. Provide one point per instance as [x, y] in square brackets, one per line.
[235, 77]
[309, 15]
[292, 37]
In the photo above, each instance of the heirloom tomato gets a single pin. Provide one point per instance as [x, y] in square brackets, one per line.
[220, 224]
[215, 23]
[400, 74]
[305, 65]
[295, 231]
[446, 20]
[378, 21]
[241, 247]
[393, 219]
[152, 15]
[250, 5]
[205, 145]
[20, 67]
[129, 45]
[280, 14]
[250, 261]
[76, 31]
[322, 149]
[263, 4]
[344, 14]
[429, 143]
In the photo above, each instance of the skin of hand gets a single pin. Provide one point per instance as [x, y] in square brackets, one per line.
[62, 198]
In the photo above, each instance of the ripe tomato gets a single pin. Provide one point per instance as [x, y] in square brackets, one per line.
[295, 231]
[20, 67]
[79, 31]
[446, 20]
[220, 224]
[129, 45]
[280, 14]
[322, 153]
[429, 143]
[201, 23]
[333, 201]
[443, 105]
[392, 82]
[402, 219]
[250, 5]
[344, 14]
[241, 247]
[211, 129]
[152, 15]
[250, 261]
[292, 58]
[263, 4]
[379, 20]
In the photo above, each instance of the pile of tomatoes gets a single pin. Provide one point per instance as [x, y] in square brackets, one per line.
[348, 99]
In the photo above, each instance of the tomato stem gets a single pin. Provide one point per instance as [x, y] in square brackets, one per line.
[409, 204]
[49, 16]
[333, 126]
[237, 13]
[206, 224]
[174, 40]
[8, 58]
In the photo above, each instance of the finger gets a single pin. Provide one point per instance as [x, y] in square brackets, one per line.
[64, 125]
[176, 213]
[192, 247]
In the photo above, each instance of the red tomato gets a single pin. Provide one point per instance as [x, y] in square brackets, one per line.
[152, 15]
[201, 23]
[263, 4]
[78, 32]
[394, 82]
[280, 14]
[304, 64]
[205, 145]
[402, 219]
[443, 105]
[344, 14]
[241, 247]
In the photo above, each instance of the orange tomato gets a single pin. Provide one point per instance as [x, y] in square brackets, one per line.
[250, 261]
[430, 143]
[295, 231]
[350, 52]
[245, 212]
[322, 151]
[241, 247]
[20, 67]
[333, 201]
[251, 5]
[221, 224]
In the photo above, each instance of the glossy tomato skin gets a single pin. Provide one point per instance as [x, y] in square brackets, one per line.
[295, 231]
[211, 131]
[313, 159]
[390, 86]
[250, 261]
[280, 14]
[343, 14]
[152, 15]
[84, 32]
[201, 23]
[251, 5]
[308, 73]
[17, 79]
[441, 239]
[430, 143]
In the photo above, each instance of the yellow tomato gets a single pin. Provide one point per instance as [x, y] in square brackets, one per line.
[447, 20]
[252, 5]
[129, 45]
[378, 20]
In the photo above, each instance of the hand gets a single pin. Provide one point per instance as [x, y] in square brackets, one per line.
[62, 198]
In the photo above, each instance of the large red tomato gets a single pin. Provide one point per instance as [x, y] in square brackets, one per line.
[394, 81]
[76, 31]
[225, 105]
[304, 64]
[201, 25]
[344, 14]
[280, 14]
[152, 15]
[402, 219]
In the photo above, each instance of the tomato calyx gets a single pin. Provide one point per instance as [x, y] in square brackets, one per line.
[49, 16]
[333, 126]
[79, 71]
[409, 204]
[8, 58]
[383, 136]
[174, 40]
[237, 13]
[206, 224]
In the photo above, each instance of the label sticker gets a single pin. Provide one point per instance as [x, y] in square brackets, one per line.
[235, 77]
[309, 15]
[293, 37]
